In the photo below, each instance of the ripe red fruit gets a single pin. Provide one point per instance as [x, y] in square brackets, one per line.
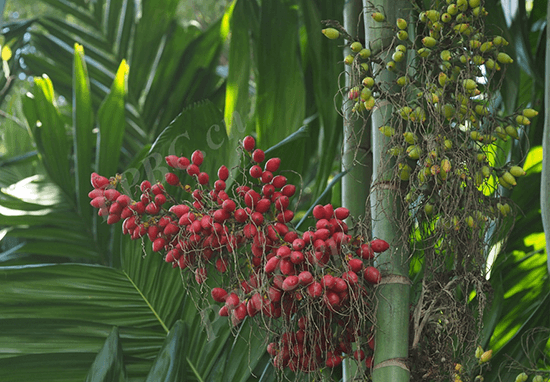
[232, 301]
[329, 211]
[379, 245]
[160, 199]
[286, 266]
[273, 165]
[241, 215]
[332, 300]
[224, 312]
[193, 169]
[365, 251]
[281, 204]
[223, 173]
[99, 181]
[290, 283]
[351, 277]
[229, 205]
[171, 160]
[203, 178]
[219, 294]
[288, 190]
[263, 205]
[341, 213]
[113, 218]
[257, 218]
[305, 278]
[111, 194]
[328, 281]
[158, 244]
[183, 163]
[258, 156]
[283, 252]
[372, 275]
[285, 217]
[355, 265]
[179, 209]
[98, 202]
[145, 186]
[315, 290]
[297, 257]
[279, 181]
[319, 212]
[369, 361]
[239, 313]
[333, 360]
[249, 143]
[268, 190]
[255, 171]
[152, 208]
[271, 264]
[359, 355]
[267, 176]
[197, 157]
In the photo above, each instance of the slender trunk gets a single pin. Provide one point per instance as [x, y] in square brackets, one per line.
[392, 295]
[545, 180]
[357, 156]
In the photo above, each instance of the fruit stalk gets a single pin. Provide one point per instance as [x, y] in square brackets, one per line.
[392, 326]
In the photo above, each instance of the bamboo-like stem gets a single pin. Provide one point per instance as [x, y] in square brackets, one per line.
[545, 179]
[357, 158]
[392, 294]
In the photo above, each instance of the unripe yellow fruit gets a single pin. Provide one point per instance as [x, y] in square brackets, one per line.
[474, 3]
[388, 131]
[356, 46]
[401, 48]
[366, 93]
[410, 137]
[401, 23]
[523, 120]
[521, 377]
[378, 17]
[404, 171]
[479, 352]
[517, 171]
[402, 81]
[509, 178]
[481, 110]
[486, 46]
[348, 60]
[499, 40]
[364, 53]
[331, 33]
[398, 56]
[446, 17]
[486, 171]
[433, 15]
[414, 152]
[490, 64]
[469, 84]
[424, 52]
[404, 112]
[503, 58]
[504, 183]
[452, 9]
[429, 209]
[369, 104]
[485, 357]
[462, 5]
[442, 79]
[390, 66]
[429, 42]
[368, 82]
[445, 55]
[512, 131]
[501, 133]
[402, 35]
[530, 113]
[538, 378]
[396, 151]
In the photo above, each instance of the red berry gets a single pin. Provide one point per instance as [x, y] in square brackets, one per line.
[290, 283]
[282, 203]
[197, 157]
[268, 190]
[315, 289]
[111, 194]
[273, 165]
[241, 215]
[355, 265]
[258, 156]
[224, 312]
[297, 257]
[223, 173]
[319, 212]
[193, 169]
[157, 189]
[341, 213]
[152, 208]
[203, 178]
[263, 205]
[365, 251]
[285, 216]
[266, 177]
[172, 179]
[219, 185]
[379, 245]
[329, 210]
[158, 244]
[249, 143]
[257, 218]
[95, 193]
[183, 163]
[351, 277]
[372, 275]
[171, 160]
[179, 209]
[298, 244]
[283, 252]
[369, 361]
[279, 181]
[219, 294]
[271, 264]
[232, 301]
[98, 202]
[99, 181]
[255, 171]
[113, 218]
[229, 205]
[288, 190]
[145, 186]
[160, 199]
[333, 360]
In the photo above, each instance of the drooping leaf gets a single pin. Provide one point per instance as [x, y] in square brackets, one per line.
[108, 365]
[170, 363]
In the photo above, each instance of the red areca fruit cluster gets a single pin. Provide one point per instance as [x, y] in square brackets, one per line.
[314, 284]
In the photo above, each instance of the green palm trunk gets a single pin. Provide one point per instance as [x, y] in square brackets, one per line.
[392, 296]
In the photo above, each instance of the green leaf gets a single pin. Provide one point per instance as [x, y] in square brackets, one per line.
[280, 102]
[112, 124]
[108, 365]
[83, 124]
[49, 133]
[169, 366]
[237, 93]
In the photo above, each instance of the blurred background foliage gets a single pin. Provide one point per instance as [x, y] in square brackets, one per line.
[237, 67]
